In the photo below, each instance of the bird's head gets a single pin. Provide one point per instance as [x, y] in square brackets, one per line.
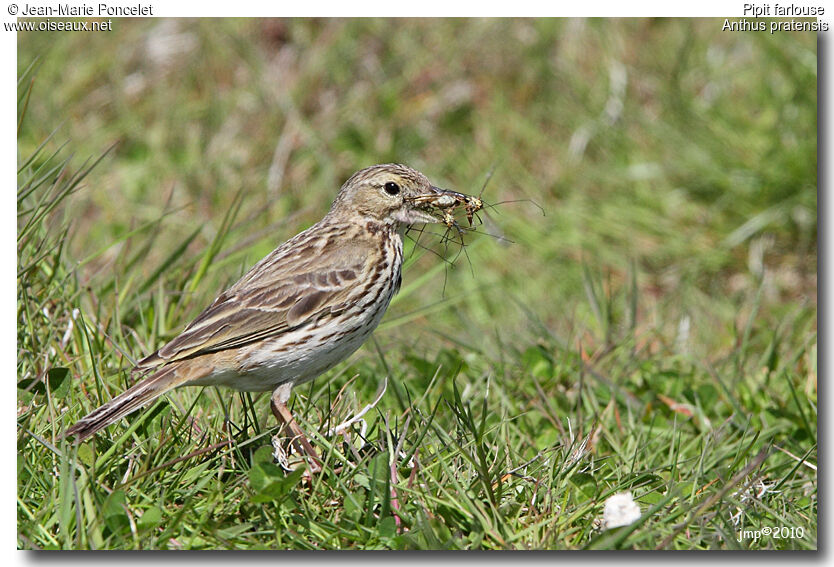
[392, 194]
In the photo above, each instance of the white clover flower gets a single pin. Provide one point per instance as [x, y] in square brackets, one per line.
[620, 510]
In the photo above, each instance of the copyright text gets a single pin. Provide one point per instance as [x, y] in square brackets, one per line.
[85, 10]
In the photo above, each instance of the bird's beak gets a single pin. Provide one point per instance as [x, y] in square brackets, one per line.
[412, 215]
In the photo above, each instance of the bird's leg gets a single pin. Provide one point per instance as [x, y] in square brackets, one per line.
[282, 414]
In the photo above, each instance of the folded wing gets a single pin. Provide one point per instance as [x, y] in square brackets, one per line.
[287, 298]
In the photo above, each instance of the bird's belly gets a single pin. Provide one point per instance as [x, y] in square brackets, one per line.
[297, 356]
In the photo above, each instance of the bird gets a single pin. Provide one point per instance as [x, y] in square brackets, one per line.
[302, 309]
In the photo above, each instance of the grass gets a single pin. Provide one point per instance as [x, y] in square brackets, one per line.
[651, 326]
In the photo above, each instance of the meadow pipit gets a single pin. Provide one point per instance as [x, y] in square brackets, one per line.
[305, 307]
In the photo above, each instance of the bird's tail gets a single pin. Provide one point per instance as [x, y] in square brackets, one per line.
[139, 395]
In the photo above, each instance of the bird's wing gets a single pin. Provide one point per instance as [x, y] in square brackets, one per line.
[276, 301]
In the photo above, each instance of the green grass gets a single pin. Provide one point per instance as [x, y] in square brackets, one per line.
[651, 326]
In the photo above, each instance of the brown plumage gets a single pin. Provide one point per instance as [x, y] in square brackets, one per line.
[302, 309]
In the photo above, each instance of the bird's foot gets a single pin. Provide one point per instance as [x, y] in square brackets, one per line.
[300, 446]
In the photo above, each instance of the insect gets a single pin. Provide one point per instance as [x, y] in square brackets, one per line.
[452, 200]
[450, 222]
[446, 201]
[472, 206]
[445, 207]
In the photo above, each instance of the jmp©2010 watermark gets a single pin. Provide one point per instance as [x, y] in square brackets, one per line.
[773, 532]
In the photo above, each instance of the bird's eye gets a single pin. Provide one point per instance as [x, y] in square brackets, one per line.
[392, 188]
